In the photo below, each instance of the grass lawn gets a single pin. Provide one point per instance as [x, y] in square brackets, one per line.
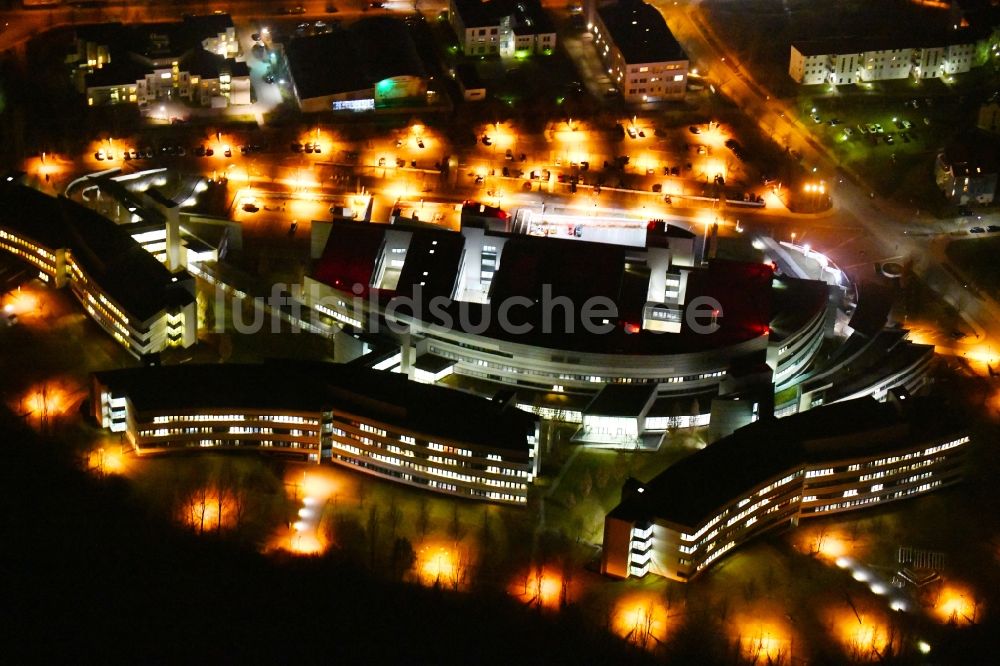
[977, 257]
[591, 485]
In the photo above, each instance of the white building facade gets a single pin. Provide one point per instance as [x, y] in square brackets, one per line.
[850, 62]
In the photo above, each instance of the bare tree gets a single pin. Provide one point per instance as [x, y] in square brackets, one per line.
[817, 545]
[461, 568]
[423, 516]
[567, 578]
[586, 484]
[362, 493]
[602, 477]
[455, 526]
[402, 557]
[372, 529]
[486, 532]
[393, 517]
[196, 507]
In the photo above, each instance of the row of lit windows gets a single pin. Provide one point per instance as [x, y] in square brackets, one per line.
[698, 537]
[435, 470]
[902, 468]
[276, 418]
[922, 488]
[29, 256]
[433, 483]
[563, 376]
[441, 460]
[28, 245]
[711, 558]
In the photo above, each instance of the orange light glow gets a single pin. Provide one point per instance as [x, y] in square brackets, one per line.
[829, 544]
[107, 460]
[715, 167]
[48, 400]
[21, 302]
[764, 642]
[46, 165]
[541, 587]
[440, 564]
[955, 605]
[501, 135]
[714, 136]
[307, 544]
[982, 354]
[206, 510]
[401, 189]
[641, 619]
[318, 485]
[864, 636]
[572, 134]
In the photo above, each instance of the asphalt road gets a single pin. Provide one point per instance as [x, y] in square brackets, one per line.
[891, 230]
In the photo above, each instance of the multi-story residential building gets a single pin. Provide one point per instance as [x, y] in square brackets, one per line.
[640, 53]
[966, 170]
[776, 472]
[193, 60]
[504, 27]
[375, 422]
[850, 61]
[122, 287]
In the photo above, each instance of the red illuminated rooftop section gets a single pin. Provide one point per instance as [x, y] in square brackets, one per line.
[742, 289]
[750, 304]
[350, 256]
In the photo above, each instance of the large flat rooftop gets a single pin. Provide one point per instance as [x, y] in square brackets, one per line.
[353, 58]
[540, 271]
[640, 32]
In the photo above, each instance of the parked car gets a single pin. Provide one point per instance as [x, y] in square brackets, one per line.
[977, 230]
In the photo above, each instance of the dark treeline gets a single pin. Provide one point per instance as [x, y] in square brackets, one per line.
[90, 574]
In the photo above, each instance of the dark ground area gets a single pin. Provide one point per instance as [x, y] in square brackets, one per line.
[90, 576]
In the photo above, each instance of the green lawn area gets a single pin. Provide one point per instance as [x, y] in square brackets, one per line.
[977, 257]
[904, 169]
[591, 485]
